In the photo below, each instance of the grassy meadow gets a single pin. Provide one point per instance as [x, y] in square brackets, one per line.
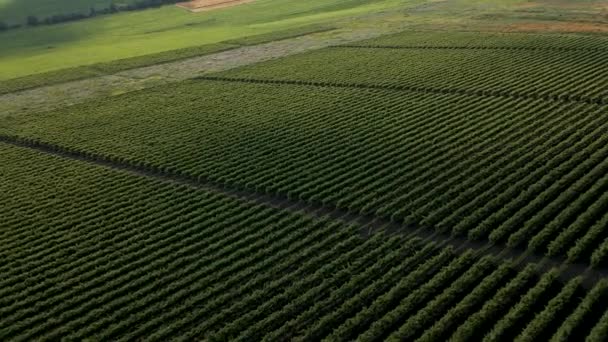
[105, 38]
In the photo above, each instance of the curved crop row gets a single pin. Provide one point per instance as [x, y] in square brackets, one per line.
[223, 269]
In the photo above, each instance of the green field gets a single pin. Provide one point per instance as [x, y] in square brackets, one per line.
[137, 258]
[131, 34]
[153, 59]
[406, 125]
[419, 186]
[106, 38]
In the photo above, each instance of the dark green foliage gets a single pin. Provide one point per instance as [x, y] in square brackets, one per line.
[32, 20]
[160, 252]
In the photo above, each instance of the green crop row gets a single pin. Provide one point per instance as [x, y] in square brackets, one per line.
[519, 171]
[160, 260]
[573, 75]
[489, 40]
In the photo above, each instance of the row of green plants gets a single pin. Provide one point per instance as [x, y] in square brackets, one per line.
[173, 261]
[523, 172]
[469, 47]
[455, 39]
[575, 75]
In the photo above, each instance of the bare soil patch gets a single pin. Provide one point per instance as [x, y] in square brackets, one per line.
[209, 5]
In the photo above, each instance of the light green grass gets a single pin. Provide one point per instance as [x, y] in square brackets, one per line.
[98, 69]
[124, 35]
[115, 66]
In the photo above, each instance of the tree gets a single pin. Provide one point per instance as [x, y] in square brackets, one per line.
[32, 20]
[3, 26]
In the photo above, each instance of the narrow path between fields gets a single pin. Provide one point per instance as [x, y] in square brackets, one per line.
[562, 97]
[468, 47]
[368, 223]
[70, 93]
[75, 92]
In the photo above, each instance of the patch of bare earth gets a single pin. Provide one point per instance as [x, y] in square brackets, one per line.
[209, 5]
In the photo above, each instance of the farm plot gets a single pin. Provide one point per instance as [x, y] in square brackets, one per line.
[94, 253]
[569, 75]
[526, 172]
[495, 40]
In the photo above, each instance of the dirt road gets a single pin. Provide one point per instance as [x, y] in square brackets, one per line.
[55, 96]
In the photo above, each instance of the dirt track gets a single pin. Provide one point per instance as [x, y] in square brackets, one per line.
[60, 95]
[369, 26]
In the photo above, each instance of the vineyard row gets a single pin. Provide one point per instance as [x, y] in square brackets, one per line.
[92, 207]
[568, 75]
[490, 40]
[187, 264]
[564, 97]
[456, 47]
[527, 173]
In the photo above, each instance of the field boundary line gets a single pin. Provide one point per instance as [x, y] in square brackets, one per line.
[564, 98]
[488, 30]
[464, 47]
[368, 223]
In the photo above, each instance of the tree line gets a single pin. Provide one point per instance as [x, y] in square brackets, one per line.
[33, 20]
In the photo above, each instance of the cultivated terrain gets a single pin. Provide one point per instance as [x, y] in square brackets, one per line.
[329, 170]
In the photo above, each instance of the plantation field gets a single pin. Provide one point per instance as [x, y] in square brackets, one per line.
[520, 66]
[518, 157]
[131, 34]
[102, 39]
[421, 186]
[103, 254]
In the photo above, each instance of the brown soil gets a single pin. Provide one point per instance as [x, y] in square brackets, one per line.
[556, 26]
[209, 5]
